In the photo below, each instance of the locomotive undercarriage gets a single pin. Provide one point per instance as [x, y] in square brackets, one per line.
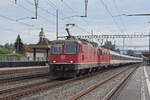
[72, 70]
[63, 70]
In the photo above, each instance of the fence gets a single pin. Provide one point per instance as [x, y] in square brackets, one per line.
[19, 59]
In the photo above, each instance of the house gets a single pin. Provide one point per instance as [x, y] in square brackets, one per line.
[41, 50]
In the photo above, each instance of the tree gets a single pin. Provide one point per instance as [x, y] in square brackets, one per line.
[130, 53]
[109, 45]
[25, 48]
[8, 46]
[19, 46]
[1, 46]
[117, 50]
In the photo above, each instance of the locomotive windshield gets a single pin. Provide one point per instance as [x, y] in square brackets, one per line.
[56, 48]
[72, 48]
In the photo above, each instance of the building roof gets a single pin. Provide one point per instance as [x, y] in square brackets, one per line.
[44, 42]
[32, 46]
[146, 54]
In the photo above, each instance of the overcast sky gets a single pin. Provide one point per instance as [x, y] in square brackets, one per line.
[14, 19]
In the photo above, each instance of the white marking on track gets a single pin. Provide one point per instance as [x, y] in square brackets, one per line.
[142, 89]
[147, 80]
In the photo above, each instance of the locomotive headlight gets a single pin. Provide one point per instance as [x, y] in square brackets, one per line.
[71, 61]
[54, 61]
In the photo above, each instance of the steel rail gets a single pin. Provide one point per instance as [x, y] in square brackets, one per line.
[24, 86]
[30, 91]
[20, 71]
[89, 89]
[9, 80]
[115, 89]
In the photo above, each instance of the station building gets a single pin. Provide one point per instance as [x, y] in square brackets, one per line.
[41, 50]
[147, 57]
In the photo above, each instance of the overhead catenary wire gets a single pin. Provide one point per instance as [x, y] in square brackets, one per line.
[51, 13]
[52, 4]
[30, 11]
[22, 23]
[76, 12]
[72, 11]
[125, 29]
[109, 12]
[10, 19]
[77, 15]
[121, 19]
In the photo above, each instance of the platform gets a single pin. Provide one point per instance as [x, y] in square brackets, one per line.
[137, 87]
[22, 68]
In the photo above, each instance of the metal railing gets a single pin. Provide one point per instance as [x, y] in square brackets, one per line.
[20, 59]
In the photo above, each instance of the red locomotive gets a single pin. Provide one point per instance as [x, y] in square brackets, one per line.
[73, 57]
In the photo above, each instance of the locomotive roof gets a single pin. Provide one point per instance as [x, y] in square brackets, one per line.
[94, 44]
[79, 40]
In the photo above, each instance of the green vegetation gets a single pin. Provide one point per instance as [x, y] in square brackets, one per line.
[19, 46]
[8, 49]
[16, 54]
[130, 53]
[4, 51]
[109, 45]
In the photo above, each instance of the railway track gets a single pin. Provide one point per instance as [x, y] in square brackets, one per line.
[8, 72]
[14, 79]
[110, 94]
[40, 88]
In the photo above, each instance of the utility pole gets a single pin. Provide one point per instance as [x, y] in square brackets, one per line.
[57, 24]
[92, 35]
[36, 6]
[36, 2]
[15, 1]
[149, 40]
[123, 45]
[86, 6]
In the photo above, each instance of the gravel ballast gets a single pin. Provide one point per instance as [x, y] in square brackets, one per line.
[64, 91]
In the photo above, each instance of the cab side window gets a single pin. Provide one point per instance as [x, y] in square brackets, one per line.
[99, 52]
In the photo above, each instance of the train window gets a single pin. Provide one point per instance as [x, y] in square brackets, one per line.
[86, 50]
[72, 48]
[99, 52]
[78, 48]
[94, 51]
[91, 50]
[56, 48]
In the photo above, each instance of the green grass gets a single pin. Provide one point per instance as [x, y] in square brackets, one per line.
[16, 54]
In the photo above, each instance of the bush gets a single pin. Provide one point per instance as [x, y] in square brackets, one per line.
[16, 54]
[4, 51]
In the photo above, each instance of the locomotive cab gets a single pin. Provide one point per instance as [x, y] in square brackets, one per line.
[64, 58]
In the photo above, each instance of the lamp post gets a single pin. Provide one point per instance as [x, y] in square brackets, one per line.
[57, 24]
